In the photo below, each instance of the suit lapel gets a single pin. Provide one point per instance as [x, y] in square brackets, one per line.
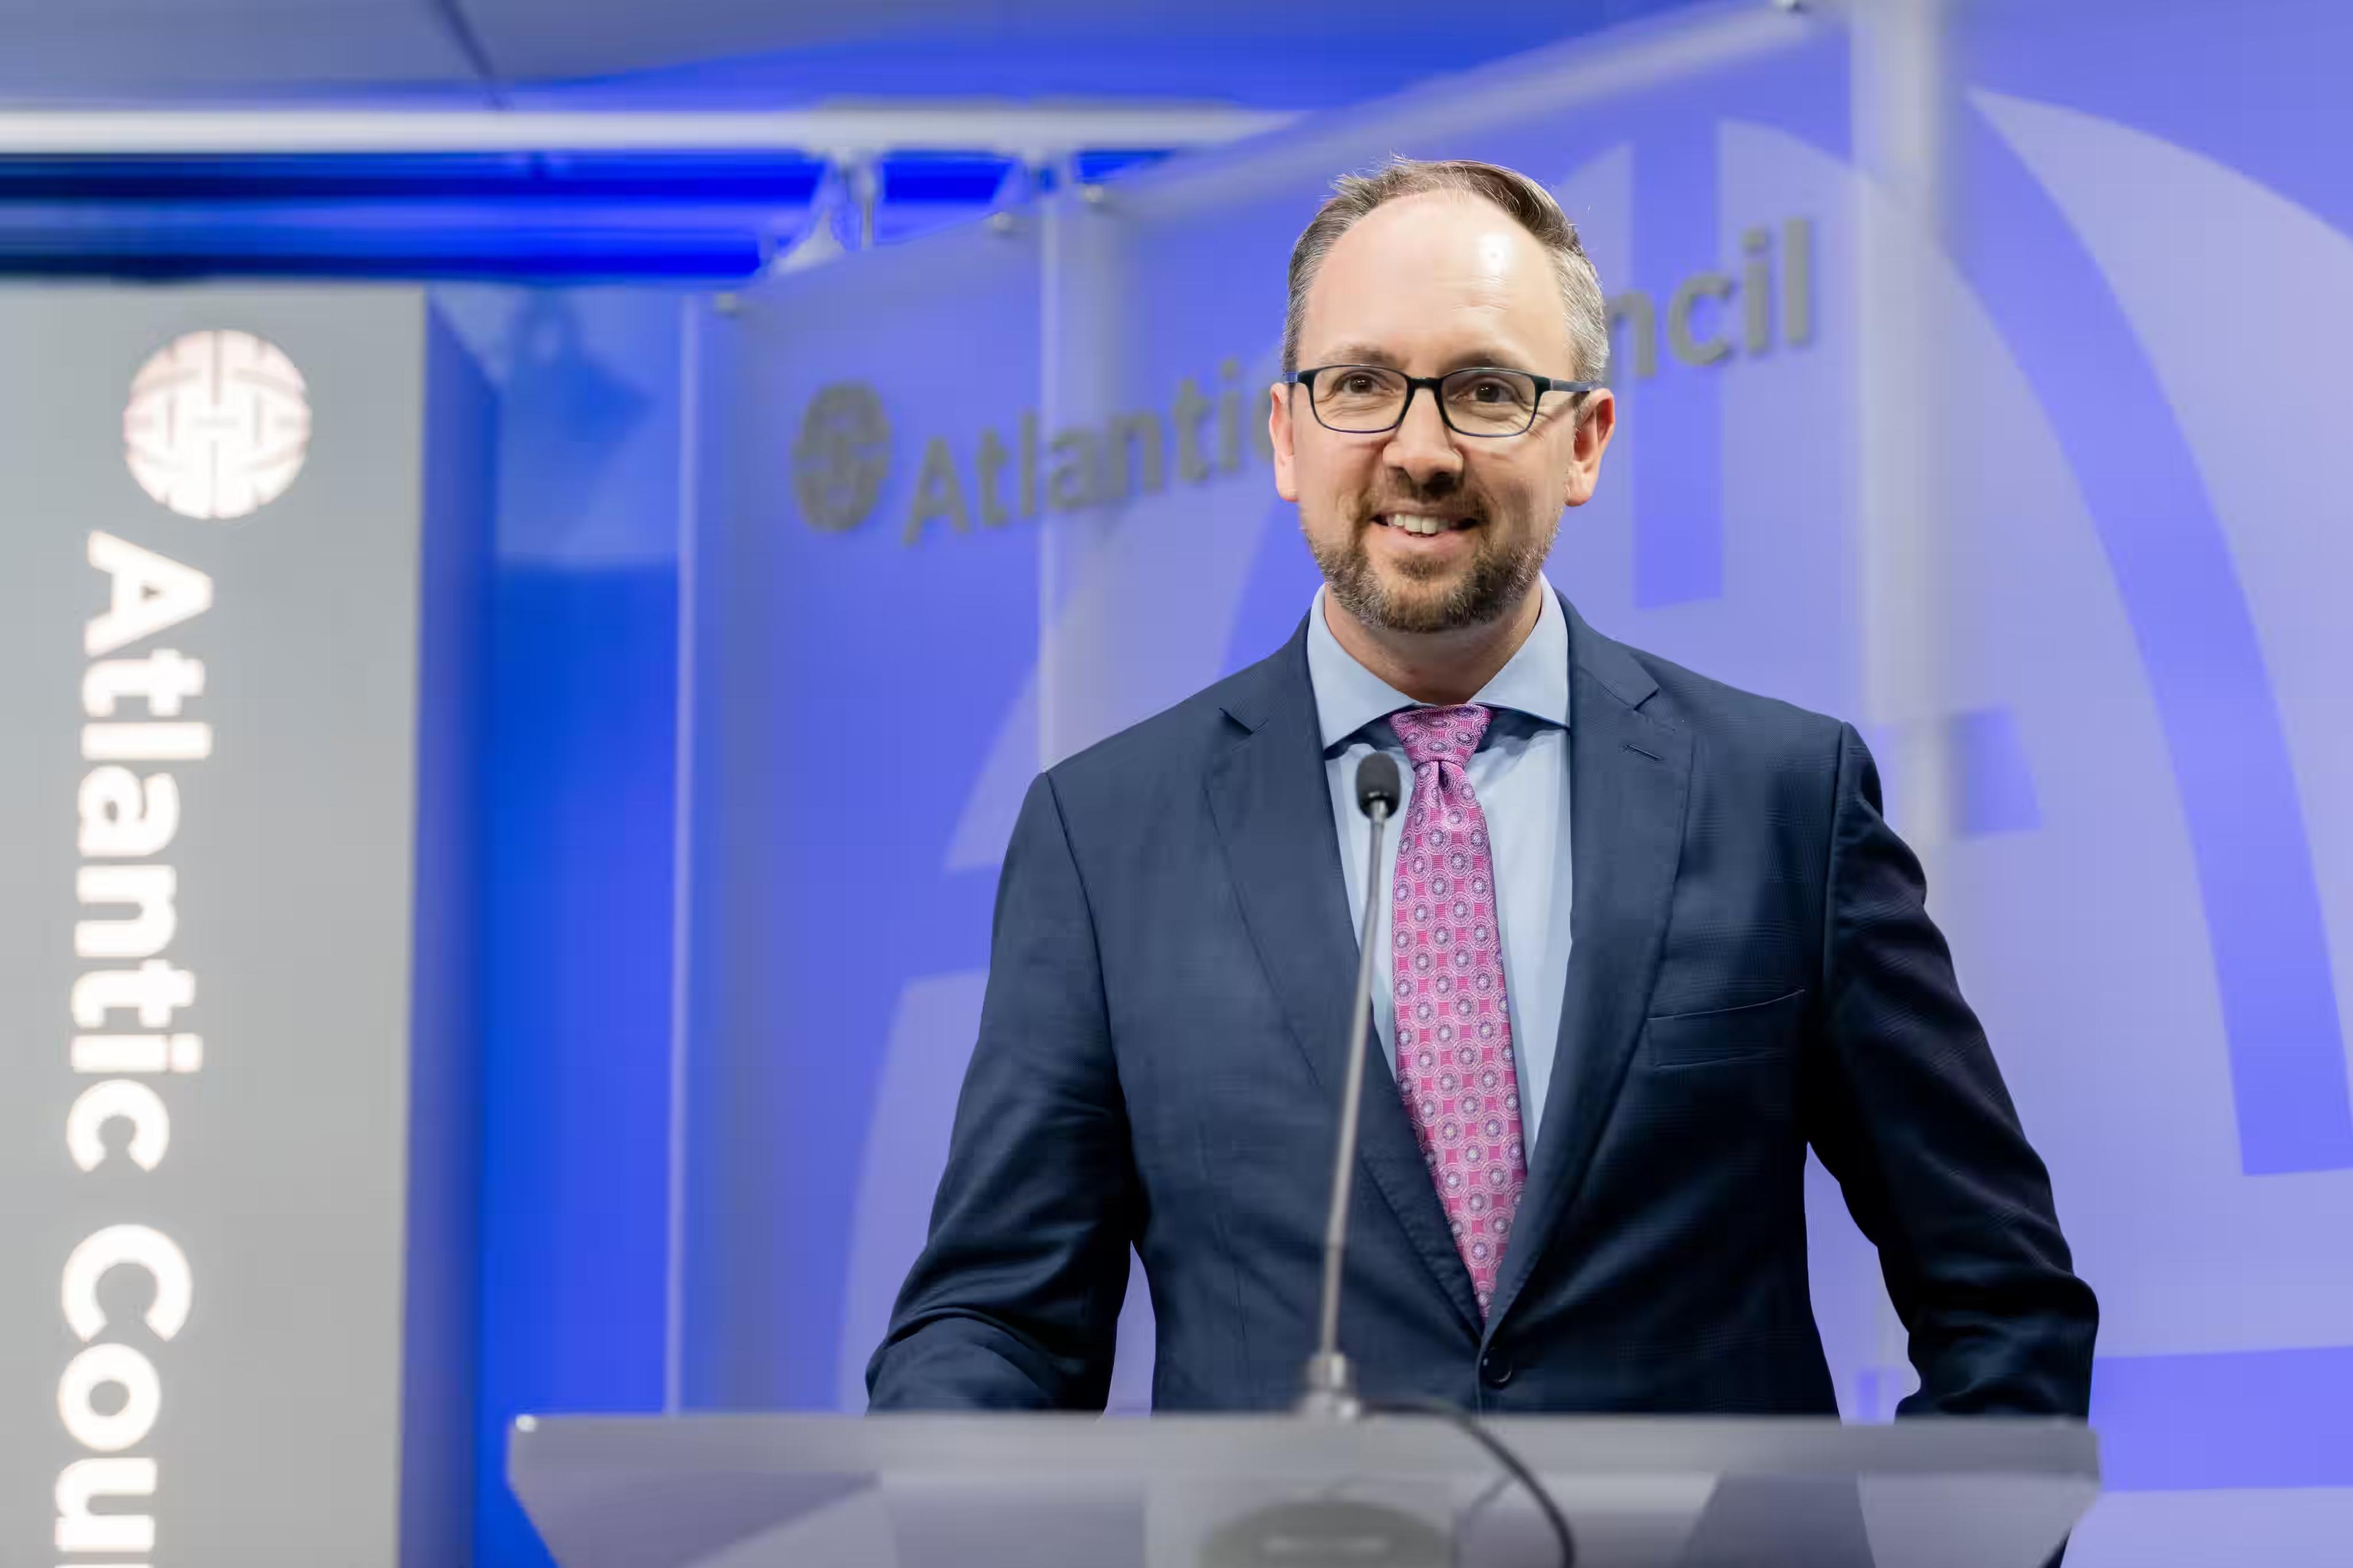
[1272, 800]
[1629, 777]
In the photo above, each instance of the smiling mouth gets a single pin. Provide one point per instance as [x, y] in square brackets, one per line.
[1422, 525]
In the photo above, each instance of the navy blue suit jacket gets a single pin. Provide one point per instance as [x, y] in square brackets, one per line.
[1753, 972]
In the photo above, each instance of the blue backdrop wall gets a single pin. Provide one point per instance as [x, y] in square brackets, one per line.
[2026, 466]
[578, 778]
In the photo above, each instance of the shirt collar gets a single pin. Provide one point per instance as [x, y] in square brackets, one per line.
[1348, 696]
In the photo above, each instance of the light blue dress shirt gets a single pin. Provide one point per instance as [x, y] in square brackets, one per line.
[1520, 774]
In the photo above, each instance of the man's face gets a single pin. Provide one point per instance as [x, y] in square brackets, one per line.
[1430, 284]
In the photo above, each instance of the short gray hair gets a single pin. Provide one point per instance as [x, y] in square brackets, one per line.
[1528, 204]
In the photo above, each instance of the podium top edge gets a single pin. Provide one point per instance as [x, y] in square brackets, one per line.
[1073, 1445]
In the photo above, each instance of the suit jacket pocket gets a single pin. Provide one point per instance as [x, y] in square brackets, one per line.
[1760, 1029]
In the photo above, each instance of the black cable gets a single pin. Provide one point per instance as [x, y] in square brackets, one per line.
[1468, 1425]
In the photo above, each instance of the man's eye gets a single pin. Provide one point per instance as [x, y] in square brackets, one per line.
[1491, 392]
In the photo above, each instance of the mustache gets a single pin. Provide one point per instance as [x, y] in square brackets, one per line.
[1449, 494]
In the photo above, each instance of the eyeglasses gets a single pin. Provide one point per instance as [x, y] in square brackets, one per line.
[1480, 400]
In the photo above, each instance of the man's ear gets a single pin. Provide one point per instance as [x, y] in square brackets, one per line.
[1592, 440]
[1279, 431]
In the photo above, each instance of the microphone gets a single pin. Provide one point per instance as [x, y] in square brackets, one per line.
[1330, 1381]
[1378, 789]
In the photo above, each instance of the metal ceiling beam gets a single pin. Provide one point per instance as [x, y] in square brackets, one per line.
[849, 132]
[468, 41]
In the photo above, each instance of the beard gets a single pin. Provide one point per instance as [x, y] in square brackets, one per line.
[1477, 592]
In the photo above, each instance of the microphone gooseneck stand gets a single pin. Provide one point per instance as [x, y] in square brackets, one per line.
[1331, 1382]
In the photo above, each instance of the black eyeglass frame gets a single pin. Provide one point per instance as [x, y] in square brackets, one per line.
[1414, 383]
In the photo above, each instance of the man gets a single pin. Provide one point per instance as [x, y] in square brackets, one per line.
[1645, 939]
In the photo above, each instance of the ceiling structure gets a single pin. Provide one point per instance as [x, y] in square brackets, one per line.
[491, 53]
[616, 138]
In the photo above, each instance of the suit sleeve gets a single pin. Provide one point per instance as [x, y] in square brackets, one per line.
[1014, 1302]
[1910, 1114]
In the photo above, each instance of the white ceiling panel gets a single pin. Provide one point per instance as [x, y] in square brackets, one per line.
[163, 51]
[597, 37]
[605, 38]
[120, 48]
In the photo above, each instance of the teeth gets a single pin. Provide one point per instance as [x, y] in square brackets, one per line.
[1409, 523]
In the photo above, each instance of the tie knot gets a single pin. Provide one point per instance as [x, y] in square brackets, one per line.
[1441, 734]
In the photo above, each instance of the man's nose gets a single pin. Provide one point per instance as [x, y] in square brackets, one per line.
[1421, 446]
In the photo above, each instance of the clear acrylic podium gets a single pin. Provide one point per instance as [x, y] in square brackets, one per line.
[1074, 1492]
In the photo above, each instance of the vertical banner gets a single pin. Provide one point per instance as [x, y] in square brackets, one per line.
[866, 613]
[234, 1020]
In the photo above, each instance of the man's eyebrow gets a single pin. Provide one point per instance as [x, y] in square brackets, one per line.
[1489, 356]
[1362, 353]
[1373, 353]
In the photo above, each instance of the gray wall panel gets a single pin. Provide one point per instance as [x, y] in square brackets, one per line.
[285, 1183]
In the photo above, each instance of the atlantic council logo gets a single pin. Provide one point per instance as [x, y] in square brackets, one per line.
[842, 457]
[218, 425]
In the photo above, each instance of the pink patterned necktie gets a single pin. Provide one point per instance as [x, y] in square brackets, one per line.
[1453, 1034]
